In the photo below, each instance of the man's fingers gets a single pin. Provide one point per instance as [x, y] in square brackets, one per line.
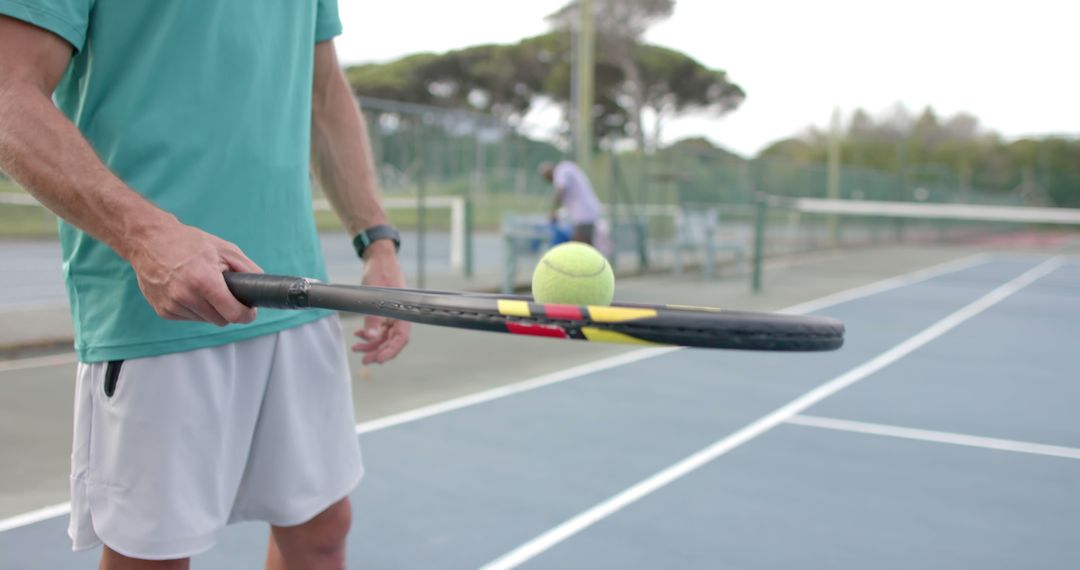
[205, 312]
[389, 346]
[389, 350]
[397, 338]
[374, 333]
[373, 358]
[366, 346]
[372, 339]
[368, 334]
[386, 353]
[223, 302]
[179, 313]
[236, 260]
[373, 327]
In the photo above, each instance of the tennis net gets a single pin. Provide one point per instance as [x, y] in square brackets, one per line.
[792, 226]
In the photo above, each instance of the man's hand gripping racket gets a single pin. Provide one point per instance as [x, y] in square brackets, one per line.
[619, 323]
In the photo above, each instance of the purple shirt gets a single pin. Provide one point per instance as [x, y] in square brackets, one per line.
[578, 197]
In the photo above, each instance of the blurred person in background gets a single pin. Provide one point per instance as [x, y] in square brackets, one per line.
[574, 193]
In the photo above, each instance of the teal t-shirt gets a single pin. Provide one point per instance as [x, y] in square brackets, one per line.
[204, 107]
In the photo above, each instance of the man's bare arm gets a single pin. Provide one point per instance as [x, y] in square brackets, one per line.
[179, 267]
[342, 164]
[557, 202]
[341, 152]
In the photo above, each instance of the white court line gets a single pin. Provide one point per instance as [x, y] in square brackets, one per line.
[35, 516]
[576, 524]
[427, 411]
[16, 307]
[936, 436]
[886, 284]
[511, 389]
[37, 362]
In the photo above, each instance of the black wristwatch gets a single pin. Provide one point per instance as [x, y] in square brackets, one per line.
[370, 235]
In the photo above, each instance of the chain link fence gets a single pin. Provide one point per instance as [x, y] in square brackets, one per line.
[661, 207]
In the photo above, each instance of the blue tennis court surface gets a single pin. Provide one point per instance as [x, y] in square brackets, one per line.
[943, 435]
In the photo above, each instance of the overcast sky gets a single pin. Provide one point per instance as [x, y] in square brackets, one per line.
[1012, 64]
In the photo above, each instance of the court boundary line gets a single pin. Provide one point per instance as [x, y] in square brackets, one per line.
[572, 526]
[934, 436]
[858, 292]
[510, 389]
[888, 284]
[46, 361]
[34, 516]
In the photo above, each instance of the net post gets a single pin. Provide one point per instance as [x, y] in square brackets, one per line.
[509, 268]
[833, 177]
[709, 266]
[457, 232]
[421, 222]
[642, 245]
[467, 230]
[613, 210]
[585, 65]
[761, 204]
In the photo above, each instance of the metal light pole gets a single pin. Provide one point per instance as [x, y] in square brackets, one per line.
[833, 176]
[586, 48]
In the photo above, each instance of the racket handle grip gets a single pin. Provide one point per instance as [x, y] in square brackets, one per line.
[270, 291]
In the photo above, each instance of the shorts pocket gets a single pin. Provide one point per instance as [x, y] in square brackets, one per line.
[112, 377]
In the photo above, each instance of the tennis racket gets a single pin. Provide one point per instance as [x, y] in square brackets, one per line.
[620, 323]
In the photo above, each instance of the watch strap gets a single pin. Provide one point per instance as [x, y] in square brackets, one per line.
[373, 234]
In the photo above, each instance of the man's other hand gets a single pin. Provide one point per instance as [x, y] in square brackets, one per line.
[382, 339]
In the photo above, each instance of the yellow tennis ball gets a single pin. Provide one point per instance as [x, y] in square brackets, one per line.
[573, 273]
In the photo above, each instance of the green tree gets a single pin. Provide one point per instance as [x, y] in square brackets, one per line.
[404, 79]
[508, 80]
[673, 83]
[953, 156]
[620, 26]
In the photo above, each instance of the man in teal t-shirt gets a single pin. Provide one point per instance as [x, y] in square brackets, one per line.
[176, 139]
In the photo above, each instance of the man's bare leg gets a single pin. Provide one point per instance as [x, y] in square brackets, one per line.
[318, 544]
[113, 560]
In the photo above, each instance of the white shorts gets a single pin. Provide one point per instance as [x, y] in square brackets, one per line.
[170, 449]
